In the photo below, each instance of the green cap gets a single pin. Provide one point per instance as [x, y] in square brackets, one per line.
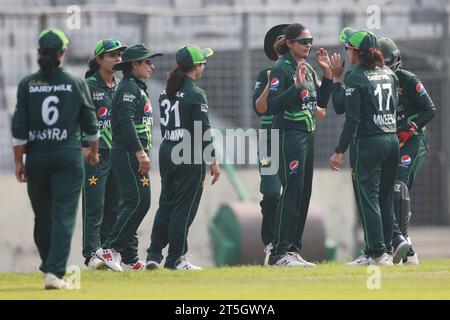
[361, 40]
[53, 39]
[389, 49]
[135, 53]
[108, 45]
[187, 57]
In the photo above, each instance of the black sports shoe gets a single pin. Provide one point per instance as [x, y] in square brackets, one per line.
[401, 247]
[151, 265]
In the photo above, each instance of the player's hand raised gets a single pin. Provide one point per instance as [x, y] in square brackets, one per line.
[337, 67]
[300, 74]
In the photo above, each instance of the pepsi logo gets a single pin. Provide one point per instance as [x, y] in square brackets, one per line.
[102, 113]
[147, 109]
[274, 83]
[405, 160]
[304, 95]
[420, 88]
[294, 165]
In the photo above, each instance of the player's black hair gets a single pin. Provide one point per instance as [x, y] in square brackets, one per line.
[94, 66]
[127, 67]
[373, 58]
[49, 61]
[174, 79]
[293, 31]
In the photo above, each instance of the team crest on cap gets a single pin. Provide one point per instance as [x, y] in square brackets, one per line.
[274, 83]
[405, 160]
[304, 95]
[147, 109]
[102, 113]
[294, 166]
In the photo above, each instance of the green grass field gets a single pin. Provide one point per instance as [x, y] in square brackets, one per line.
[430, 280]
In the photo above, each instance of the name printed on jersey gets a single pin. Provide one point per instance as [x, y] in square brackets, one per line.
[47, 134]
[384, 119]
[173, 135]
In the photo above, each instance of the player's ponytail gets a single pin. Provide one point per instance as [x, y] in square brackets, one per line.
[49, 61]
[174, 80]
[373, 58]
[94, 66]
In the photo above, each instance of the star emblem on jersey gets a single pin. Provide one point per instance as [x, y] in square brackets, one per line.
[400, 91]
[145, 181]
[92, 181]
[264, 162]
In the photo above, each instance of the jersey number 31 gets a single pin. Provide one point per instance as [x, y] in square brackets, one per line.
[167, 112]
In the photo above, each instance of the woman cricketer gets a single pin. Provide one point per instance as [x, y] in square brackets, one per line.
[295, 93]
[183, 106]
[101, 189]
[270, 185]
[52, 106]
[414, 112]
[415, 108]
[131, 122]
[370, 131]
[400, 245]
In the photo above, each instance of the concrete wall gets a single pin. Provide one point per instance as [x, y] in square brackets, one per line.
[332, 196]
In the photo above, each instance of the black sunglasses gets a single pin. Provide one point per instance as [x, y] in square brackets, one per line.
[304, 41]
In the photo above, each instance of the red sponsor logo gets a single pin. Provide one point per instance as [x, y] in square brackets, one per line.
[420, 88]
[102, 113]
[294, 165]
[147, 108]
[304, 95]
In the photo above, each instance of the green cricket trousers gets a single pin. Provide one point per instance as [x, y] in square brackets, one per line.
[54, 185]
[373, 161]
[181, 190]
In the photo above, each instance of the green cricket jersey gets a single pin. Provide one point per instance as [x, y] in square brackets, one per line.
[415, 103]
[295, 108]
[190, 105]
[131, 115]
[102, 95]
[260, 85]
[370, 103]
[50, 112]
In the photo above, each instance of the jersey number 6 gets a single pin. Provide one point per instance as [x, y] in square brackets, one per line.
[50, 113]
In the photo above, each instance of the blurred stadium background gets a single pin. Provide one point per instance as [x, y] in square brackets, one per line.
[235, 30]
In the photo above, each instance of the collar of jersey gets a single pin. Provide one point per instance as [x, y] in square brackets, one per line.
[287, 59]
[102, 82]
[132, 77]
